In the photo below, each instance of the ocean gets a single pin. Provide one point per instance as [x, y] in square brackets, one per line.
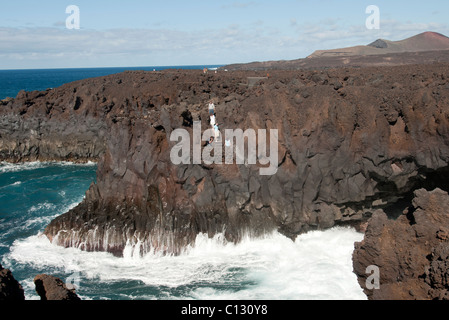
[317, 266]
[12, 81]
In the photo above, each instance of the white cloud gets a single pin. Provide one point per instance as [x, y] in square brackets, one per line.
[148, 46]
[330, 35]
[59, 47]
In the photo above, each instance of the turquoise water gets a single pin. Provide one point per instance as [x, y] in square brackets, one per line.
[316, 266]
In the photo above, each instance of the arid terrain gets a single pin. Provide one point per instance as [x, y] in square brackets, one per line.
[425, 48]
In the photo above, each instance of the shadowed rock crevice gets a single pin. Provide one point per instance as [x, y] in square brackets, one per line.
[425, 179]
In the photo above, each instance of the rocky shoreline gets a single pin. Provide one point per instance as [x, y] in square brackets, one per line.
[48, 288]
[354, 144]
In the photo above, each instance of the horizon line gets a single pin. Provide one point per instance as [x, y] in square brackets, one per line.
[122, 67]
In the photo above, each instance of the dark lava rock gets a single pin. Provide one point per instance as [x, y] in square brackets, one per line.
[411, 251]
[351, 142]
[10, 289]
[51, 288]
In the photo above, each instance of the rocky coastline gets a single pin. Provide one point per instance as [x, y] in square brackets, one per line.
[355, 145]
[48, 288]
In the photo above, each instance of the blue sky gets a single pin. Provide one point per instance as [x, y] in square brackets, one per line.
[117, 33]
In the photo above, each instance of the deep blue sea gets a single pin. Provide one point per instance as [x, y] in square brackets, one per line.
[318, 265]
[12, 81]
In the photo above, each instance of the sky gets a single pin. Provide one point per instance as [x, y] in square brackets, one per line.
[134, 33]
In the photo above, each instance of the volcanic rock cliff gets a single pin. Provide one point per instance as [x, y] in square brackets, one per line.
[351, 142]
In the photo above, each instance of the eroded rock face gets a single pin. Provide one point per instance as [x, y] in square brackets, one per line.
[351, 141]
[411, 252]
[49, 125]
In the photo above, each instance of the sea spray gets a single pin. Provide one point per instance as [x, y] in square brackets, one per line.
[6, 167]
[316, 266]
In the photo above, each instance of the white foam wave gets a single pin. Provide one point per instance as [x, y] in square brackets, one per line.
[10, 167]
[42, 206]
[30, 289]
[16, 167]
[39, 221]
[318, 265]
[15, 184]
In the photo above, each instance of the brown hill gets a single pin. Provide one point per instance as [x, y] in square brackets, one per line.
[425, 48]
[427, 41]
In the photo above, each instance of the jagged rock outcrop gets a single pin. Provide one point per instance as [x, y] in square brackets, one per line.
[351, 141]
[10, 289]
[50, 288]
[410, 252]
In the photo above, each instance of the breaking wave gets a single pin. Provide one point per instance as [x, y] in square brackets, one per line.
[13, 167]
[317, 266]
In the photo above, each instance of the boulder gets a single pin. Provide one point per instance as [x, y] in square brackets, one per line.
[410, 252]
[10, 289]
[52, 288]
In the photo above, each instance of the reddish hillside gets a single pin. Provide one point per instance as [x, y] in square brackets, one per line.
[424, 48]
[427, 41]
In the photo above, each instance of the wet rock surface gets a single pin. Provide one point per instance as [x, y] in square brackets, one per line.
[351, 142]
